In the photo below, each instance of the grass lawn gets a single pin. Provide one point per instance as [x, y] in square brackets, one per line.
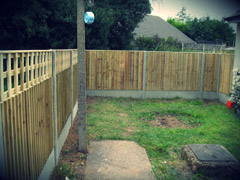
[131, 119]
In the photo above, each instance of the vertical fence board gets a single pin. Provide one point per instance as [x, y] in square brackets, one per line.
[226, 73]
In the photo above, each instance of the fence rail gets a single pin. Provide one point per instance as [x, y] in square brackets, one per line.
[26, 92]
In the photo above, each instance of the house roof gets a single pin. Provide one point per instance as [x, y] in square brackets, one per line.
[234, 18]
[154, 25]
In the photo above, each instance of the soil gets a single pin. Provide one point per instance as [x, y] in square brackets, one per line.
[129, 131]
[167, 121]
[70, 154]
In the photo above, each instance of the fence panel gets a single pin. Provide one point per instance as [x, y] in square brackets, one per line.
[114, 70]
[211, 72]
[226, 73]
[63, 98]
[173, 71]
[28, 131]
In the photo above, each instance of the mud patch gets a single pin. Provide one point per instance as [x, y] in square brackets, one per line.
[70, 154]
[91, 100]
[167, 121]
[129, 131]
[123, 114]
[184, 171]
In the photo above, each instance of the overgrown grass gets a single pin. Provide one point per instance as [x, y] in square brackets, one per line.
[122, 119]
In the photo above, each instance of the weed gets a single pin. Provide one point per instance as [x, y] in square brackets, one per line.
[64, 170]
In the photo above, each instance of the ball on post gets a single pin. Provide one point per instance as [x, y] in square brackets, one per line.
[89, 17]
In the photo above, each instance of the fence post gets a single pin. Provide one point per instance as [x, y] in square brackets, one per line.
[55, 107]
[71, 64]
[202, 74]
[219, 73]
[203, 48]
[2, 158]
[182, 46]
[144, 74]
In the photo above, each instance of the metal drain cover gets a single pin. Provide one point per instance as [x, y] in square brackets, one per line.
[211, 153]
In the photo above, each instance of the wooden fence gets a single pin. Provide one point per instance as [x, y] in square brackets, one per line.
[165, 71]
[27, 107]
[26, 92]
[114, 70]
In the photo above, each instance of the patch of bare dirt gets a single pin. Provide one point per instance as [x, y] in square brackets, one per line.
[210, 101]
[91, 100]
[184, 171]
[129, 131]
[168, 121]
[70, 154]
[123, 114]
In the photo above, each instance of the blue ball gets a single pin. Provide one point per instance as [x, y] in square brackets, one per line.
[89, 17]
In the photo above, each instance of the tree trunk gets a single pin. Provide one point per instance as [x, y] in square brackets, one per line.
[82, 126]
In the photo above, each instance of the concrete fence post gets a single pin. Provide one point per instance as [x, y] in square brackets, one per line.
[203, 48]
[55, 107]
[71, 64]
[202, 74]
[144, 74]
[219, 73]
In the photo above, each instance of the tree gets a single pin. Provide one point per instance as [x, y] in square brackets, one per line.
[203, 29]
[183, 16]
[115, 22]
[45, 24]
[24, 24]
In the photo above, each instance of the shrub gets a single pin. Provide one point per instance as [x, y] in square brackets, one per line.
[156, 43]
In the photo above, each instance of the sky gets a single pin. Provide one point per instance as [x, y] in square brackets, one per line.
[216, 9]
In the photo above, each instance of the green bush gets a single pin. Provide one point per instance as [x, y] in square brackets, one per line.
[156, 43]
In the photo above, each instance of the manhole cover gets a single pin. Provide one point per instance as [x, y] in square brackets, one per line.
[211, 153]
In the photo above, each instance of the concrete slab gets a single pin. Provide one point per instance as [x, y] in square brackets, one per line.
[117, 160]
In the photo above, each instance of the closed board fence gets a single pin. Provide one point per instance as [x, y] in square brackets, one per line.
[26, 92]
[164, 71]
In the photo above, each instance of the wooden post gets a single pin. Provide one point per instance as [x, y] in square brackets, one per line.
[202, 74]
[144, 74]
[219, 74]
[55, 107]
[82, 126]
[1, 78]
[182, 46]
[71, 65]
[2, 158]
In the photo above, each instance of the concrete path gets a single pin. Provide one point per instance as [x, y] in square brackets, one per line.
[117, 160]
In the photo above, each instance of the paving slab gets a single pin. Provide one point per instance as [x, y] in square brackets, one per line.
[117, 160]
